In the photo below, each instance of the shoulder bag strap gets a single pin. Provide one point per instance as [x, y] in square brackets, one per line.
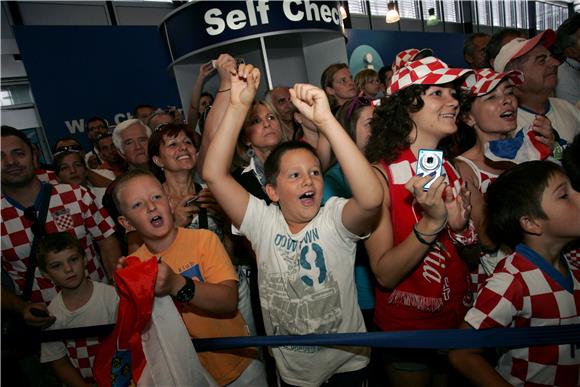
[38, 232]
[202, 214]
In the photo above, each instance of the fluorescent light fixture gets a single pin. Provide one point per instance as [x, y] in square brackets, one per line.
[392, 14]
[432, 18]
[343, 14]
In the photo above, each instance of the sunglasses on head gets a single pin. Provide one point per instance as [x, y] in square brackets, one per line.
[67, 149]
[356, 103]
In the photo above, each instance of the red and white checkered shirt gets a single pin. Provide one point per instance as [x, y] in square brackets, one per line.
[573, 257]
[46, 176]
[519, 294]
[72, 209]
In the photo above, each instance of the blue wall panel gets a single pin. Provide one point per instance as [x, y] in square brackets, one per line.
[78, 72]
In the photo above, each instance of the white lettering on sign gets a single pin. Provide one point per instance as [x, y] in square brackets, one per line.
[211, 18]
[288, 11]
[257, 13]
[120, 117]
[311, 10]
[236, 19]
[74, 126]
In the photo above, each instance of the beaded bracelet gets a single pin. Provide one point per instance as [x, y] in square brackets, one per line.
[221, 91]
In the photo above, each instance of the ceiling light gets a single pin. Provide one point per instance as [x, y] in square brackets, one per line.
[392, 13]
[432, 18]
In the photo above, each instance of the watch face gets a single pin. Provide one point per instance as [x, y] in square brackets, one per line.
[368, 57]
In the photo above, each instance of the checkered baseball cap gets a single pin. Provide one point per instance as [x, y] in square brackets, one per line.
[426, 71]
[520, 47]
[483, 81]
[409, 55]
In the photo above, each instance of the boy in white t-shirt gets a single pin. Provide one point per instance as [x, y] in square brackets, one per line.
[80, 303]
[305, 253]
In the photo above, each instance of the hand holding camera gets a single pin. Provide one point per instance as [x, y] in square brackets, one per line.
[430, 163]
[428, 185]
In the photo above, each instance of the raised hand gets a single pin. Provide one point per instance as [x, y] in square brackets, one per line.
[184, 213]
[224, 64]
[312, 102]
[205, 70]
[543, 127]
[458, 208]
[244, 84]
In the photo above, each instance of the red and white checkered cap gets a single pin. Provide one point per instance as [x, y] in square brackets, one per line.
[483, 81]
[409, 55]
[519, 47]
[426, 71]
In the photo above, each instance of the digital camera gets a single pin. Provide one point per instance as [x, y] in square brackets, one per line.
[430, 161]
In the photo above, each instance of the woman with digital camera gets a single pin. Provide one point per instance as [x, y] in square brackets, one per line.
[422, 280]
[173, 159]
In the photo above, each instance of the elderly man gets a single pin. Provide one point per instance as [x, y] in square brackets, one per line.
[474, 50]
[532, 58]
[130, 138]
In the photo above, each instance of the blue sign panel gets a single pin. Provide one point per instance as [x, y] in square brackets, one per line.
[205, 24]
[79, 72]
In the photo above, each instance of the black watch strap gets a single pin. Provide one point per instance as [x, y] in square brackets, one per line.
[186, 293]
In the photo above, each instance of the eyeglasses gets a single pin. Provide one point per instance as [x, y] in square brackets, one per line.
[67, 149]
[161, 126]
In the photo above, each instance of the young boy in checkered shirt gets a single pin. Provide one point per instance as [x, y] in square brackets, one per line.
[533, 209]
[80, 303]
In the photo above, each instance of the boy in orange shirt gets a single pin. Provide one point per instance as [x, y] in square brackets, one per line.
[195, 269]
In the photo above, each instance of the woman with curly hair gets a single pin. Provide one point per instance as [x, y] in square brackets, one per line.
[422, 282]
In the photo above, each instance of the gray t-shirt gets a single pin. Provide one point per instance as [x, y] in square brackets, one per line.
[306, 283]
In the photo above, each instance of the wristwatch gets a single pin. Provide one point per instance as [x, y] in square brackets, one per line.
[186, 293]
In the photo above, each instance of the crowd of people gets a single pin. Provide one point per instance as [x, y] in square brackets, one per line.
[415, 197]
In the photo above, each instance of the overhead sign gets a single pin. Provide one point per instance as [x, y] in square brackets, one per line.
[202, 25]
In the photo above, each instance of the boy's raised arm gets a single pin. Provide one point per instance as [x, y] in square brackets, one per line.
[216, 172]
[367, 193]
[224, 64]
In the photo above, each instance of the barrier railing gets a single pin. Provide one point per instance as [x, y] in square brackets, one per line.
[442, 338]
